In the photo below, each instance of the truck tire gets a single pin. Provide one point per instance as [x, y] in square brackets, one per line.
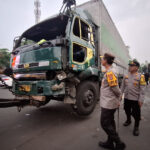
[86, 97]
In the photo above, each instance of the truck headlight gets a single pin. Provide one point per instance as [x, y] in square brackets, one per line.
[15, 61]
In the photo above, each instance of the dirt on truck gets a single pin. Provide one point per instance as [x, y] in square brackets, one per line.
[59, 58]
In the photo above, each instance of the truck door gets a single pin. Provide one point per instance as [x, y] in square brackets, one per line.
[82, 47]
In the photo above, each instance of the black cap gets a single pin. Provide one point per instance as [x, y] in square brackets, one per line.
[134, 63]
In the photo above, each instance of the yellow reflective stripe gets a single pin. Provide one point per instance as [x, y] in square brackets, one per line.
[89, 54]
[92, 37]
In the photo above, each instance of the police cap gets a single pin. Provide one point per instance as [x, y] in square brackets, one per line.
[134, 63]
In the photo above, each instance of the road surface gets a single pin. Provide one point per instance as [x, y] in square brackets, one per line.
[57, 127]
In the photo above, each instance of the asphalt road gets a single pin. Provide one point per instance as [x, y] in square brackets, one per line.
[56, 127]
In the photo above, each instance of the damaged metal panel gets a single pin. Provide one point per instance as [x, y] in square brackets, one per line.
[40, 60]
[41, 76]
[38, 88]
[48, 29]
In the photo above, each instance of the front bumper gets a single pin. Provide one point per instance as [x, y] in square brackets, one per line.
[38, 88]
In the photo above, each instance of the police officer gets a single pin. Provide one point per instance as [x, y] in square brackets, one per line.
[133, 86]
[109, 102]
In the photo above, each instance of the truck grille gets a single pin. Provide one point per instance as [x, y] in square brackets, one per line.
[30, 65]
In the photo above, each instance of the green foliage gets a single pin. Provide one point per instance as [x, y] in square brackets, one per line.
[4, 58]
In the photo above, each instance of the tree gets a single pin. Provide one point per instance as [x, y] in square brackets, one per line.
[4, 58]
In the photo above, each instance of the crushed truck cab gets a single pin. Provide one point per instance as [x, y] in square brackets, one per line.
[59, 58]
[54, 59]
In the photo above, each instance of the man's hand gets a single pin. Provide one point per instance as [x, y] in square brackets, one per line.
[121, 97]
[140, 103]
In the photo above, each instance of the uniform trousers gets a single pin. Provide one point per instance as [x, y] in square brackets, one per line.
[108, 124]
[132, 108]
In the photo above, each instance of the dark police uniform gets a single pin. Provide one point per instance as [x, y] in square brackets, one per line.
[133, 87]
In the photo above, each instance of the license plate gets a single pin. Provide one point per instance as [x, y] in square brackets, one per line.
[25, 88]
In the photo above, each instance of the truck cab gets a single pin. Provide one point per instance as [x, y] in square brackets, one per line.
[58, 59]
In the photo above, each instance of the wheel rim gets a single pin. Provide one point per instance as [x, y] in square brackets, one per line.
[88, 98]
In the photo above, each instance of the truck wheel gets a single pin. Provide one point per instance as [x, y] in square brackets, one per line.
[86, 97]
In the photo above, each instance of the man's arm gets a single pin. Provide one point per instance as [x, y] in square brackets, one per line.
[116, 91]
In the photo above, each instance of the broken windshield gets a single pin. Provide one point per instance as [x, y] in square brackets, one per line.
[47, 30]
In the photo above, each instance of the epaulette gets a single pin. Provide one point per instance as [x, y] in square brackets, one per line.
[111, 78]
[142, 81]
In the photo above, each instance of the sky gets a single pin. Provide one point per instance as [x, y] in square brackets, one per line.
[132, 18]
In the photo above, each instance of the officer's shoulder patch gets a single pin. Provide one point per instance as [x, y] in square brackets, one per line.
[112, 79]
[142, 80]
[110, 75]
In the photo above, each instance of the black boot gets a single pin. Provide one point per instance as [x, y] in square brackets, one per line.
[136, 131]
[107, 145]
[127, 123]
[120, 146]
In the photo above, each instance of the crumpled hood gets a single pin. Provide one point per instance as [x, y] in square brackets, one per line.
[37, 60]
